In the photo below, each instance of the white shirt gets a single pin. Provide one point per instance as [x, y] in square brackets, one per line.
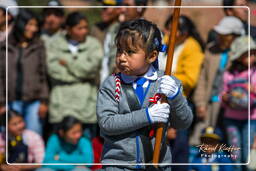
[151, 74]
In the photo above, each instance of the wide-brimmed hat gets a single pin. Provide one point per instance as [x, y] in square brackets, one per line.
[210, 132]
[241, 46]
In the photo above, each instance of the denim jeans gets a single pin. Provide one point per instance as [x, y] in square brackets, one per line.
[29, 111]
[237, 132]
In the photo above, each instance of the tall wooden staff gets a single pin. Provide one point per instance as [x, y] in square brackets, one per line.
[168, 69]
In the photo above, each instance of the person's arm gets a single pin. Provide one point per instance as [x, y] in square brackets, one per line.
[52, 154]
[200, 90]
[87, 67]
[36, 146]
[110, 121]
[2, 81]
[191, 65]
[181, 115]
[44, 93]
[85, 155]
[55, 69]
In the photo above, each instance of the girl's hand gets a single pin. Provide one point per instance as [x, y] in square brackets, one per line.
[168, 87]
[201, 112]
[43, 108]
[56, 157]
[225, 97]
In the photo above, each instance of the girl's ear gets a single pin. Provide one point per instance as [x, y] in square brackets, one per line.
[152, 56]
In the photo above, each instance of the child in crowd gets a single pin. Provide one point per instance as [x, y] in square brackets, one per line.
[211, 151]
[125, 115]
[24, 146]
[68, 146]
[235, 97]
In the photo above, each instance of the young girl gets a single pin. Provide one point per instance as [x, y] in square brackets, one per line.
[235, 97]
[68, 146]
[24, 146]
[125, 115]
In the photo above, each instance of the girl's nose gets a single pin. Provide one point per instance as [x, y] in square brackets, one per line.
[123, 57]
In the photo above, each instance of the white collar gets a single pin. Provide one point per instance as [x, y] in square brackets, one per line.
[151, 74]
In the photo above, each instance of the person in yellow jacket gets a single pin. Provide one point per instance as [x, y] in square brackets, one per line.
[188, 53]
[187, 60]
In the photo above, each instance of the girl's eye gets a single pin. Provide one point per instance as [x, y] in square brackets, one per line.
[130, 52]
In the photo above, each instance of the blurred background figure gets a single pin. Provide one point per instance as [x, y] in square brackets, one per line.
[68, 145]
[27, 84]
[240, 13]
[209, 152]
[187, 60]
[73, 62]
[109, 19]
[179, 148]
[133, 13]
[235, 98]
[12, 13]
[207, 91]
[108, 62]
[53, 20]
[24, 146]
[188, 55]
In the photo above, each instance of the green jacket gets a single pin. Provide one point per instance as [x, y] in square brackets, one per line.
[74, 87]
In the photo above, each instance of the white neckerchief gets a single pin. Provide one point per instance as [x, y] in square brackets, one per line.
[151, 74]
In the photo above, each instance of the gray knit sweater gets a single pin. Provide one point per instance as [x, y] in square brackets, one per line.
[120, 127]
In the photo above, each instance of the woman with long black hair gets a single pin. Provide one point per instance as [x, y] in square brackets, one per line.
[27, 82]
[188, 54]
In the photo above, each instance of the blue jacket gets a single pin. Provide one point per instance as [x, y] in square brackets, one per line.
[68, 153]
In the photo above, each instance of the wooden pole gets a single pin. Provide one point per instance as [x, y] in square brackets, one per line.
[168, 70]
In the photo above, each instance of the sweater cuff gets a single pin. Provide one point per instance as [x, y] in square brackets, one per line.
[148, 117]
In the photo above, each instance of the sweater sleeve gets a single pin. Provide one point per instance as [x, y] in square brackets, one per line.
[36, 146]
[199, 93]
[181, 115]
[110, 121]
[189, 71]
[85, 154]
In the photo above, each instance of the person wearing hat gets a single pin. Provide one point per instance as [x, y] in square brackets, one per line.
[210, 151]
[12, 13]
[53, 21]
[207, 91]
[235, 96]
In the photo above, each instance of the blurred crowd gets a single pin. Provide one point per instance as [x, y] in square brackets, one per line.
[54, 64]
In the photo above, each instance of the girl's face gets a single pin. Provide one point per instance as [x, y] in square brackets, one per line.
[31, 29]
[245, 60]
[73, 134]
[134, 61]
[79, 31]
[225, 41]
[16, 125]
